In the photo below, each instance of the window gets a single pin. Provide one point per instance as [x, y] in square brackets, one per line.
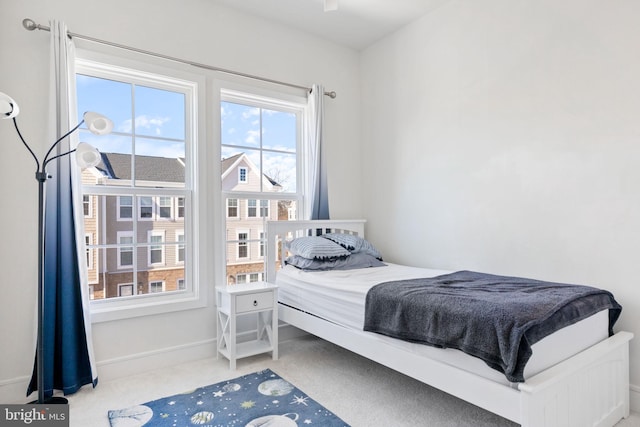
[180, 246]
[264, 208]
[180, 202]
[125, 289]
[88, 241]
[143, 192]
[261, 173]
[262, 240]
[232, 208]
[125, 207]
[252, 210]
[146, 207]
[165, 206]
[243, 250]
[125, 249]
[155, 287]
[156, 248]
[86, 206]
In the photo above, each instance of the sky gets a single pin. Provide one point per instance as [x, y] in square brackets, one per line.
[160, 126]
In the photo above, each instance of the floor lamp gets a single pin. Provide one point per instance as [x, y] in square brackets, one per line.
[86, 156]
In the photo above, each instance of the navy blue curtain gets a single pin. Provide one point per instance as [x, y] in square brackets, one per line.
[68, 362]
[67, 365]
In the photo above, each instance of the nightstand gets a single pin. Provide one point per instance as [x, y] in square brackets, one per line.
[259, 299]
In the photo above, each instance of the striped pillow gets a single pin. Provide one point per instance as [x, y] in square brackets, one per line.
[314, 247]
[354, 244]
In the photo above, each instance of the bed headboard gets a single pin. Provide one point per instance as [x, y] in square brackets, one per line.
[278, 232]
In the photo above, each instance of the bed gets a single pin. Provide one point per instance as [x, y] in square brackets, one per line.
[577, 376]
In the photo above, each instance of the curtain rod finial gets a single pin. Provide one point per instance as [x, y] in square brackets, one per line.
[29, 24]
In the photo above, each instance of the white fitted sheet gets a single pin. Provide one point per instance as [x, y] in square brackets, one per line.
[339, 297]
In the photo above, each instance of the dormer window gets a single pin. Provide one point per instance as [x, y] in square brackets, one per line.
[242, 174]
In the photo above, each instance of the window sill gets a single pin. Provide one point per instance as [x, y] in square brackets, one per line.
[145, 305]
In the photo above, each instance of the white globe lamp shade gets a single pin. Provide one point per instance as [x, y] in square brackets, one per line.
[97, 123]
[8, 107]
[87, 155]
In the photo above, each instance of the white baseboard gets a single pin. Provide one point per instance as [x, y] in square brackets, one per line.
[148, 361]
[14, 390]
[634, 398]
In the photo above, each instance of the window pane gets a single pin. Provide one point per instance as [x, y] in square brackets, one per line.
[145, 233]
[278, 130]
[160, 113]
[108, 97]
[158, 171]
[240, 125]
[281, 169]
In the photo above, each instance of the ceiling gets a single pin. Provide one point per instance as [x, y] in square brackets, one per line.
[356, 23]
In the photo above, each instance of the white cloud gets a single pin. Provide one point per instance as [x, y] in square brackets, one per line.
[250, 112]
[253, 137]
[145, 122]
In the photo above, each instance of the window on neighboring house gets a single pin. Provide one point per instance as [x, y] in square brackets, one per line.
[144, 187]
[146, 207]
[180, 285]
[125, 207]
[88, 241]
[125, 249]
[262, 240]
[155, 287]
[260, 142]
[232, 208]
[165, 206]
[180, 246]
[180, 202]
[86, 206]
[156, 248]
[264, 208]
[252, 208]
[243, 249]
[125, 289]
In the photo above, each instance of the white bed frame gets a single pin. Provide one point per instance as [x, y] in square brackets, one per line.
[588, 389]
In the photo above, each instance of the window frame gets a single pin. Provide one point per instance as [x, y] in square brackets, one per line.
[265, 98]
[169, 76]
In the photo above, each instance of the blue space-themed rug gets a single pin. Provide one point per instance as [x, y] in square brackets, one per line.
[258, 399]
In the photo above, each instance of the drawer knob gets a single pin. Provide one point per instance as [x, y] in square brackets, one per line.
[255, 303]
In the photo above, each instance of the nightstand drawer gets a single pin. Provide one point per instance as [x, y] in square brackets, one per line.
[253, 302]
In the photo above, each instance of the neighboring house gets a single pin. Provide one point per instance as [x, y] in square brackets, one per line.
[245, 217]
[159, 225]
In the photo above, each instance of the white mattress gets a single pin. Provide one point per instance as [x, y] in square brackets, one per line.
[339, 297]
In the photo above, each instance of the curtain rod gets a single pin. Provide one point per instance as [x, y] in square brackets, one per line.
[30, 25]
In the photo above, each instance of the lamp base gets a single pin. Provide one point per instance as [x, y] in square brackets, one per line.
[54, 400]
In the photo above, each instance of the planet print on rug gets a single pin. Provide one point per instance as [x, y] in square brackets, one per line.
[260, 399]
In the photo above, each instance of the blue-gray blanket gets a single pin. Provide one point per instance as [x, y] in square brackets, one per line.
[495, 318]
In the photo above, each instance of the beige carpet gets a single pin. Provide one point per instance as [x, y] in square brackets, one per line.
[359, 391]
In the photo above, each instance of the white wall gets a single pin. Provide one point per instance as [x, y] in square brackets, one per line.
[197, 30]
[505, 138]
